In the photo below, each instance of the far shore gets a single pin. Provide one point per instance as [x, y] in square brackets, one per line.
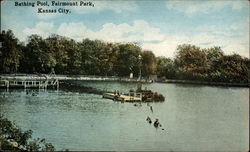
[223, 84]
[30, 77]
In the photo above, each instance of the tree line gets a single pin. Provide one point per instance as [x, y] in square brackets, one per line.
[95, 57]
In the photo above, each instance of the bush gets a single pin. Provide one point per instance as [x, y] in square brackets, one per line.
[14, 139]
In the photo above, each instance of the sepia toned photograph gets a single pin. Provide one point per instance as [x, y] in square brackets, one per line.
[124, 75]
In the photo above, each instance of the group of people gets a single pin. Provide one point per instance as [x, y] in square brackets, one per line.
[31, 92]
[116, 92]
[156, 122]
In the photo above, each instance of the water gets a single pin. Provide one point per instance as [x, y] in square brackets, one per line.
[194, 118]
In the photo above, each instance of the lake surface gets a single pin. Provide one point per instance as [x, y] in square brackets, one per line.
[194, 118]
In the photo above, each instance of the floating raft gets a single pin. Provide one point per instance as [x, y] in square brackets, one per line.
[125, 98]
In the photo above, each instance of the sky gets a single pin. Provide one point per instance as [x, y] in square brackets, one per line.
[156, 25]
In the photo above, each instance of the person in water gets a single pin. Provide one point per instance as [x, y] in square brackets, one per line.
[157, 123]
[149, 120]
[151, 108]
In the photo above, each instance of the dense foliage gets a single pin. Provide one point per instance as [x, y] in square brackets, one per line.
[95, 57]
[13, 138]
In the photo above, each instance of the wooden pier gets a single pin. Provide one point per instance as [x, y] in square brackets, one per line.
[41, 84]
[69, 77]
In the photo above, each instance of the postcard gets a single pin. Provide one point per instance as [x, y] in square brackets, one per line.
[132, 75]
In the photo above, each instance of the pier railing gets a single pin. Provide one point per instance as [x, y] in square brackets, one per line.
[41, 84]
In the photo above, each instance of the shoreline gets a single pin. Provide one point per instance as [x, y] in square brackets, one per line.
[222, 84]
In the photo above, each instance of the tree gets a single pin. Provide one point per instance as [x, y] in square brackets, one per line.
[148, 63]
[66, 53]
[166, 68]
[57, 46]
[192, 62]
[213, 56]
[128, 59]
[10, 52]
[88, 57]
[107, 57]
[38, 57]
[234, 68]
